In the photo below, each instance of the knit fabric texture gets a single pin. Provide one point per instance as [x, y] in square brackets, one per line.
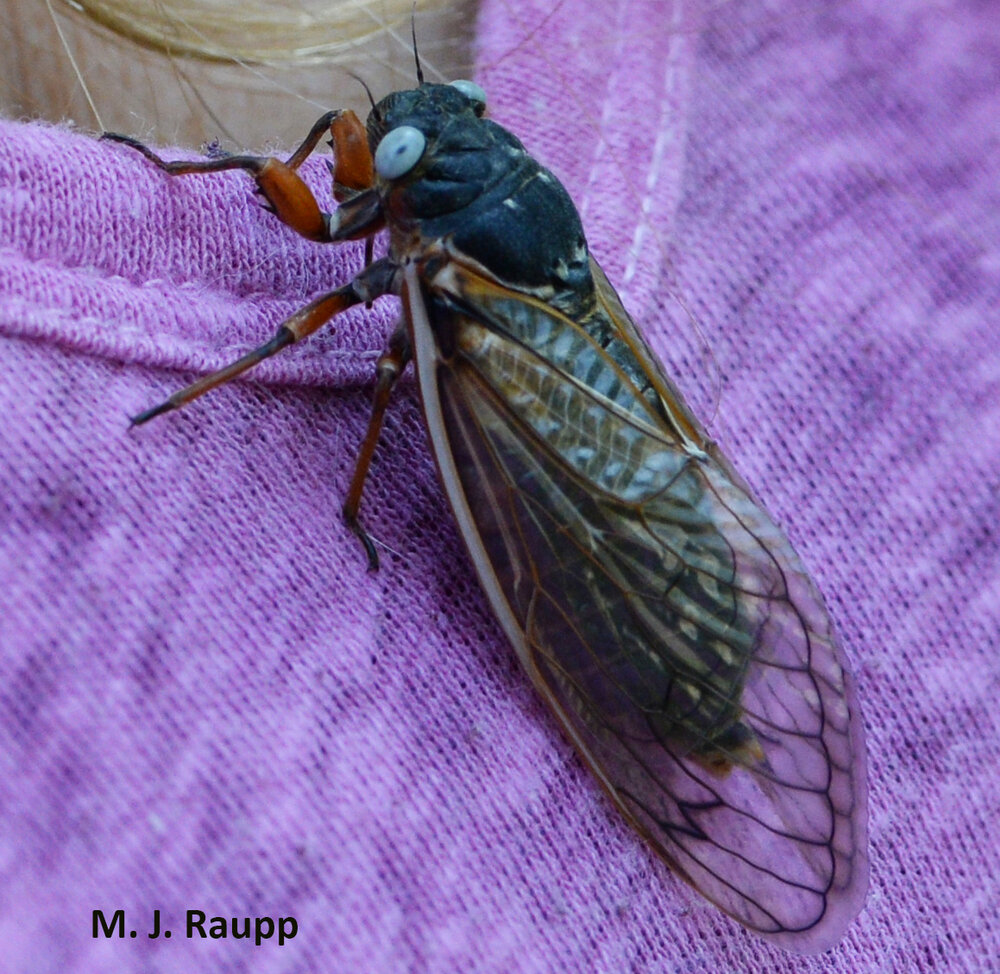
[207, 702]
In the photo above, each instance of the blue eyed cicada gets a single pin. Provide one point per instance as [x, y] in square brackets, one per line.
[656, 606]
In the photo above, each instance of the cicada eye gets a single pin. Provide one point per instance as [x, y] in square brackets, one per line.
[399, 151]
[474, 93]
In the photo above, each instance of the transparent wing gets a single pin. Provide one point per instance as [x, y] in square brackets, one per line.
[656, 605]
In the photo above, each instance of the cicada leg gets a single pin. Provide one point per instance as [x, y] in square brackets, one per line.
[374, 281]
[359, 215]
[354, 169]
[287, 195]
[390, 364]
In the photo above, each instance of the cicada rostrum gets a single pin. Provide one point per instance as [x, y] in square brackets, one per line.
[656, 606]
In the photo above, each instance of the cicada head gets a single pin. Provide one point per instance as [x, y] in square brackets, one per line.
[434, 154]
[429, 107]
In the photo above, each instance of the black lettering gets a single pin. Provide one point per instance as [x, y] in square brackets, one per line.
[236, 929]
[218, 930]
[196, 920]
[288, 927]
[258, 927]
[101, 925]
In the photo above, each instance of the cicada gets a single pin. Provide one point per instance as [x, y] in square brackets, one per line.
[655, 605]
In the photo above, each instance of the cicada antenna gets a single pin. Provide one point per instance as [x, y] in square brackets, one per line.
[413, 34]
[368, 92]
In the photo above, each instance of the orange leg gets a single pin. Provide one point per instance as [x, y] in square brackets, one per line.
[354, 171]
[287, 195]
[374, 281]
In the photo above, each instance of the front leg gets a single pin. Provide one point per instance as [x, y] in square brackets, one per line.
[287, 194]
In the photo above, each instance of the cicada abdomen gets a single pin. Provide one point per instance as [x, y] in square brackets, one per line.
[655, 605]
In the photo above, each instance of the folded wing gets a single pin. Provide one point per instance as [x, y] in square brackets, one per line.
[656, 605]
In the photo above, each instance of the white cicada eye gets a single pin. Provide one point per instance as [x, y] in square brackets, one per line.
[399, 151]
[473, 92]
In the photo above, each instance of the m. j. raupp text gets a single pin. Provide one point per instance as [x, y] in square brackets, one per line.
[198, 924]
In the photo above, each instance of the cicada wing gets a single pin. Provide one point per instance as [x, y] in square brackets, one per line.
[657, 607]
[653, 371]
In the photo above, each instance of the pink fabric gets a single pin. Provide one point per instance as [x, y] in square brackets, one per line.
[206, 702]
